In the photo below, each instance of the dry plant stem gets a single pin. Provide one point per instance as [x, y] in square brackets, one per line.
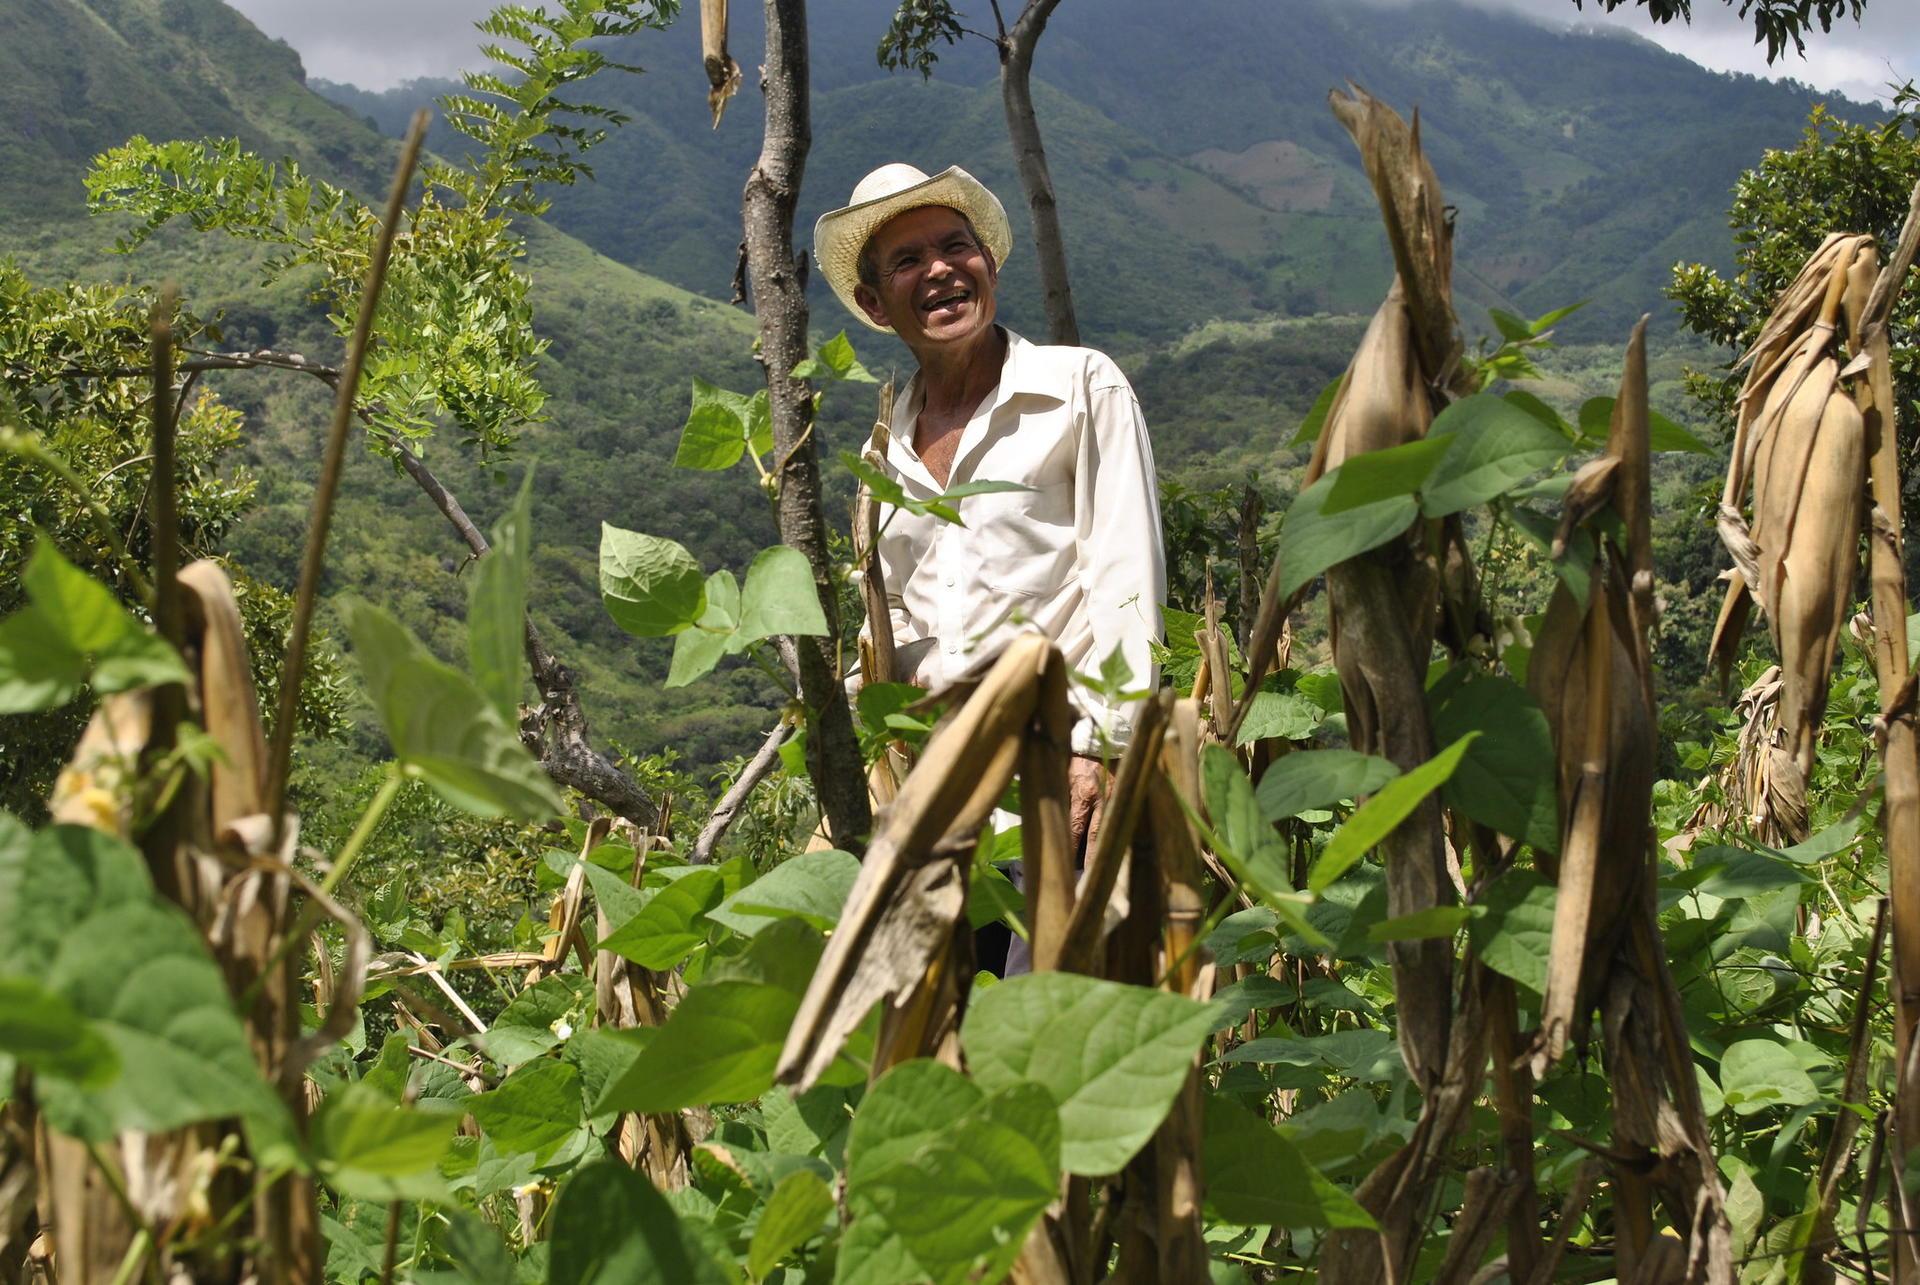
[165, 514]
[1080, 949]
[1581, 857]
[1513, 1095]
[728, 808]
[392, 1250]
[1585, 1179]
[1030, 159]
[780, 306]
[1046, 838]
[1900, 758]
[1853, 1092]
[293, 673]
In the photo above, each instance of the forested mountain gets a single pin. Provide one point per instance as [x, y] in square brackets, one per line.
[1200, 174]
[1199, 171]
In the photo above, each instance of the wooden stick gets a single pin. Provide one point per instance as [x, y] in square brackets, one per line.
[1046, 836]
[293, 672]
[1117, 824]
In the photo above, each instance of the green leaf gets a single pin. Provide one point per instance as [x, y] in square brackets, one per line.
[441, 726]
[1514, 928]
[721, 1042]
[1511, 328]
[497, 608]
[611, 1227]
[716, 634]
[79, 918]
[719, 1045]
[1500, 446]
[1382, 475]
[1435, 921]
[794, 1214]
[956, 1176]
[837, 361]
[1508, 779]
[1313, 540]
[667, 929]
[651, 586]
[48, 1036]
[526, 1028]
[1308, 780]
[372, 1148]
[1255, 1177]
[1377, 817]
[780, 597]
[719, 425]
[1540, 325]
[392, 1069]
[535, 1109]
[1112, 1057]
[812, 886]
[1317, 414]
[1758, 1074]
[1287, 716]
[74, 632]
[1247, 843]
[1596, 421]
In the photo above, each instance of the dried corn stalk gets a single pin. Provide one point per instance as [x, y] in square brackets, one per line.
[1383, 605]
[1800, 443]
[900, 915]
[1591, 671]
[1384, 611]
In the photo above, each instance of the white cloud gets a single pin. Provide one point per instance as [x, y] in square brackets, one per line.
[1855, 59]
[379, 43]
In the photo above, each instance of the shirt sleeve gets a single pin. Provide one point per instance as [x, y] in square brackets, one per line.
[1120, 556]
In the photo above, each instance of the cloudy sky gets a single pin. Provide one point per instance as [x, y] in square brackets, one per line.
[379, 43]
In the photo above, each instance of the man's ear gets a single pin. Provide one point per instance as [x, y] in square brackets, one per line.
[869, 300]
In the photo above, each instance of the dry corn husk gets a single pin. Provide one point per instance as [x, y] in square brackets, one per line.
[1799, 443]
[1591, 670]
[1763, 785]
[723, 73]
[901, 912]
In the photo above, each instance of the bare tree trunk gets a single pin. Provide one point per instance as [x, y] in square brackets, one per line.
[780, 303]
[1030, 159]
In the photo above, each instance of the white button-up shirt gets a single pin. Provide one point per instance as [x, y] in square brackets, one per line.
[1077, 557]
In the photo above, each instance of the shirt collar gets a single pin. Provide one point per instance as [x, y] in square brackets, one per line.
[1023, 372]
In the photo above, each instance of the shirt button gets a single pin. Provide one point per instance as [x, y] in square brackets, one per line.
[953, 648]
[950, 582]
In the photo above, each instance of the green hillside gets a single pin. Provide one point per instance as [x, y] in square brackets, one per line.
[1199, 171]
[1208, 195]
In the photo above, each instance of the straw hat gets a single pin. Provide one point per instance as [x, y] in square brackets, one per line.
[840, 235]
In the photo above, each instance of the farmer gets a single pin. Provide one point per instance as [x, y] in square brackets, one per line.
[1077, 553]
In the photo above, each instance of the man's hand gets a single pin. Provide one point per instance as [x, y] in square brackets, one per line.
[1086, 786]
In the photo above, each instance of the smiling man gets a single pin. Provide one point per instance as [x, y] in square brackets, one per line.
[1077, 554]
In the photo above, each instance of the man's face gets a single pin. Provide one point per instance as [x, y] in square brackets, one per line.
[936, 280]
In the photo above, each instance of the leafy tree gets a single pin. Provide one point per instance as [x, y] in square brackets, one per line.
[75, 469]
[1774, 21]
[1843, 177]
[454, 340]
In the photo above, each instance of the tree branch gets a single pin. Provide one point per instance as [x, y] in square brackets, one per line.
[736, 796]
[555, 730]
